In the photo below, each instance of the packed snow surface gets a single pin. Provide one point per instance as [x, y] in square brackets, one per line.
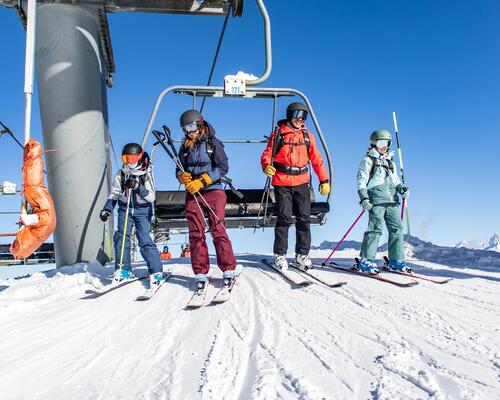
[366, 340]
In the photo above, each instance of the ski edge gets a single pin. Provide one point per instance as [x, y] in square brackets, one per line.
[351, 270]
[289, 279]
[308, 274]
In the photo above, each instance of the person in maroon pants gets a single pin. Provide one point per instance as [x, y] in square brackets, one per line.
[205, 162]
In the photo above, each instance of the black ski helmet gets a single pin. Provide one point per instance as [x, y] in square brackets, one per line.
[293, 107]
[132, 149]
[190, 116]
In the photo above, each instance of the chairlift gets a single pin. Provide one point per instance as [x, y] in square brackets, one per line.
[240, 213]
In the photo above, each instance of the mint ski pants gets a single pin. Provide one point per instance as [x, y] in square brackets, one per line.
[391, 214]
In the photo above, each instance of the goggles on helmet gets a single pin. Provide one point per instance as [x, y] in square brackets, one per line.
[381, 143]
[131, 158]
[191, 127]
[302, 114]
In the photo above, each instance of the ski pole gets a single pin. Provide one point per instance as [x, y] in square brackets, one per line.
[402, 208]
[177, 162]
[172, 145]
[343, 237]
[124, 232]
[401, 169]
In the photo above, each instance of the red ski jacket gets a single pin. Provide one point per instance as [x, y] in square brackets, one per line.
[293, 153]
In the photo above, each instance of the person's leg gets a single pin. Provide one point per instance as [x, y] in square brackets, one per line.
[223, 247]
[284, 209]
[395, 228]
[118, 239]
[199, 250]
[302, 212]
[373, 232]
[149, 251]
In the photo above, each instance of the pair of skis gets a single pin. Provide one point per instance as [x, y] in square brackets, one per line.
[147, 295]
[299, 278]
[383, 278]
[197, 300]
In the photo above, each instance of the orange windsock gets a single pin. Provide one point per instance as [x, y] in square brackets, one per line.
[30, 237]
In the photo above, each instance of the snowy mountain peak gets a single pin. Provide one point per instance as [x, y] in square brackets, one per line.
[492, 244]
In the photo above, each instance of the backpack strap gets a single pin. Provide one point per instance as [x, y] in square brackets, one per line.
[375, 165]
[281, 140]
[209, 148]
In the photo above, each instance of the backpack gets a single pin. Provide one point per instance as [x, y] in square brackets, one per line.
[281, 141]
[375, 165]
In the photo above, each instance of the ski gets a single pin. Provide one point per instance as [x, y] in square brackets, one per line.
[309, 274]
[151, 291]
[355, 271]
[225, 291]
[294, 282]
[197, 300]
[112, 286]
[413, 275]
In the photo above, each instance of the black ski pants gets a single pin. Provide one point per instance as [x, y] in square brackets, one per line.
[293, 201]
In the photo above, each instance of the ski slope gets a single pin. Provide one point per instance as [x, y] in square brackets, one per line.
[366, 340]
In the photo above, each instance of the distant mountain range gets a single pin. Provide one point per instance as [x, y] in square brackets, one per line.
[426, 251]
[492, 244]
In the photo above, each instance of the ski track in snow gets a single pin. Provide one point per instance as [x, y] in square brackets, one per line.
[366, 340]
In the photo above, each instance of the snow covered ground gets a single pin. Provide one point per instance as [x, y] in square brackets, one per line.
[366, 340]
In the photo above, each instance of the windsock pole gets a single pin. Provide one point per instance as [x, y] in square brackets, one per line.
[405, 203]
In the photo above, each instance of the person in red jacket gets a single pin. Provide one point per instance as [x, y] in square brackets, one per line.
[295, 147]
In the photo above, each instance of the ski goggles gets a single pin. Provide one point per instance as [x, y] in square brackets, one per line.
[131, 158]
[191, 127]
[381, 143]
[302, 114]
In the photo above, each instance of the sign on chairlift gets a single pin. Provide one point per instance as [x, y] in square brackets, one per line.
[234, 86]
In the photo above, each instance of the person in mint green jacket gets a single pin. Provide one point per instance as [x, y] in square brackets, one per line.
[378, 189]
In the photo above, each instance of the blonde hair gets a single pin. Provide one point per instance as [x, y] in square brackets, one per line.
[190, 143]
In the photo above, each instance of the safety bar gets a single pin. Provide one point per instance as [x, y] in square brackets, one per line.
[218, 91]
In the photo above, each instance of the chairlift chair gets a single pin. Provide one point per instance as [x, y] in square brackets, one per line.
[244, 212]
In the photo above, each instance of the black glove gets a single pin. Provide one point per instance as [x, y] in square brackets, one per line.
[104, 215]
[132, 183]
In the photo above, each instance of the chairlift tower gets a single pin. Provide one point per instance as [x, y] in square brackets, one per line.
[74, 66]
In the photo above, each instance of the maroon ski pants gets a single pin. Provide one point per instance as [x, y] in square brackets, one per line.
[216, 199]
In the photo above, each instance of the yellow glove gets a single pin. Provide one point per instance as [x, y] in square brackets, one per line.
[324, 188]
[196, 185]
[184, 177]
[269, 170]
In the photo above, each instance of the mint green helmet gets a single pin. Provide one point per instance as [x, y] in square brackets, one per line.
[380, 134]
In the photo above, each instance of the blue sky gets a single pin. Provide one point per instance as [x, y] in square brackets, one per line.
[435, 63]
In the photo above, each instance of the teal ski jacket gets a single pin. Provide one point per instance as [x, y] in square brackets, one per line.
[383, 186]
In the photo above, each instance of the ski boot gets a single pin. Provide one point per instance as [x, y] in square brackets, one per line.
[398, 265]
[228, 278]
[368, 266]
[303, 262]
[201, 283]
[280, 262]
[156, 279]
[122, 274]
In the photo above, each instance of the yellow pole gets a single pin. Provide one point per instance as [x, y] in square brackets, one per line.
[124, 233]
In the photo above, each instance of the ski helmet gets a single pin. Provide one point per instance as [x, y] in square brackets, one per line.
[296, 110]
[191, 120]
[132, 153]
[381, 134]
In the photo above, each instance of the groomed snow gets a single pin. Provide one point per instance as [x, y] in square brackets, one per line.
[366, 340]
